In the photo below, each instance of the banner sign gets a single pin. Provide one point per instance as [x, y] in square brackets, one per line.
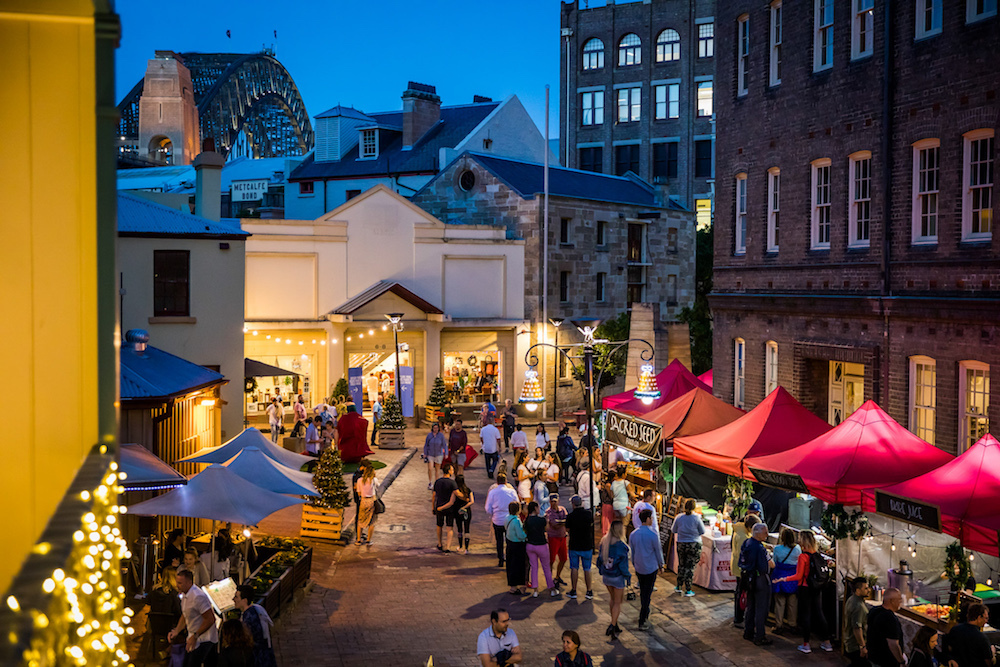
[355, 380]
[248, 190]
[910, 511]
[406, 389]
[780, 480]
[634, 434]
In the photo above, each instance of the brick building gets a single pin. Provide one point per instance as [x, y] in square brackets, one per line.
[854, 251]
[636, 94]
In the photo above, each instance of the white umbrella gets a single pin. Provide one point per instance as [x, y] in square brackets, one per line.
[254, 466]
[250, 437]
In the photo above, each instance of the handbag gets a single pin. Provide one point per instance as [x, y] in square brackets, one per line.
[782, 570]
[744, 599]
[379, 506]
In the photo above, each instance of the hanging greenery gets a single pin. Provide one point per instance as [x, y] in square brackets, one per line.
[840, 525]
[667, 469]
[249, 385]
[439, 394]
[957, 566]
[392, 414]
[738, 494]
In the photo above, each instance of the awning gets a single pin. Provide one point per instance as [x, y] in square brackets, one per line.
[706, 377]
[145, 472]
[673, 382]
[258, 369]
[693, 413]
[249, 437]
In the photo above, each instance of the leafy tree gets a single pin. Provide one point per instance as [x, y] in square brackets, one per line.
[341, 390]
[608, 368]
[329, 481]
[392, 414]
[439, 395]
[699, 315]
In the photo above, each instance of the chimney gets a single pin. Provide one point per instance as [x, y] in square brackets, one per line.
[137, 339]
[208, 181]
[421, 111]
[479, 99]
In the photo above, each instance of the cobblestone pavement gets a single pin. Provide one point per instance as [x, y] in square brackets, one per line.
[399, 601]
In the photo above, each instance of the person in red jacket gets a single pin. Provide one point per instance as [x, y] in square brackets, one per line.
[353, 431]
[810, 594]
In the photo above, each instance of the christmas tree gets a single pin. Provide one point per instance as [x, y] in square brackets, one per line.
[340, 389]
[439, 395]
[392, 414]
[329, 481]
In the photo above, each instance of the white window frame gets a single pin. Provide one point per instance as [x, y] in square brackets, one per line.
[972, 14]
[859, 198]
[926, 193]
[774, 66]
[667, 101]
[742, 54]
[592, 103]
[739, 372]
[965, 437]
[593, 59]
[922, 7]
[698, 99]
[668, 46]
[822, 203]
[770, 367]
[773, 208]
[369, 151]
[706, 39]
[928, 404]
[985, 189]
[740, 224]
[823, 16]
[630, 54]
[862, 28]
[631, 105]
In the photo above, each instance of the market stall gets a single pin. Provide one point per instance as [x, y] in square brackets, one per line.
[249, 437]
[706, 377]
[673, 382]
[712, 572]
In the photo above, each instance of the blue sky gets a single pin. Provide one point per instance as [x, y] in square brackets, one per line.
[361, 54]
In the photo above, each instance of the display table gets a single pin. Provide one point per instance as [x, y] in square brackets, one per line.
[712, 571]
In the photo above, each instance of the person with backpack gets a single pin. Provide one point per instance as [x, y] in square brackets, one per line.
[786, 558]
[566, 450]
[812, 573]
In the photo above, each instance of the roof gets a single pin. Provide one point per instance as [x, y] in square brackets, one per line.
[378, 289]
[345, 112]
[181, 178]
[145, 470]
[456, 123]
[155, 374]
[258, 369]
[141, 217]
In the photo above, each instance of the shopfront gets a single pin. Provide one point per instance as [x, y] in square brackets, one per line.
[303, 353]
[476, 366]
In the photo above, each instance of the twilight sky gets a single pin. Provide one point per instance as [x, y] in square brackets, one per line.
[362, 54]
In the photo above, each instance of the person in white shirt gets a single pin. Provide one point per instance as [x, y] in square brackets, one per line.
[371, 387]
[519, 439]
[583, 485]
[490, 435]
[497, 501]
[541, 437]
[498, 639]
[275, 417]
[199, 620]
[645, 504]
[522, 475]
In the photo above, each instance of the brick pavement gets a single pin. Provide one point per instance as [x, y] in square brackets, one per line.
[399, 601]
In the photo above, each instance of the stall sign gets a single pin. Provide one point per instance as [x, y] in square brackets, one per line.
[910, 511]
[634, 434]
[406, 389]
[780, 480]
[248, 190]
[355, 380]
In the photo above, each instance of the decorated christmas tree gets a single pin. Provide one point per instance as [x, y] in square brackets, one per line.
[439, 395]
[329, 481]
[341, 390]
[392, 414]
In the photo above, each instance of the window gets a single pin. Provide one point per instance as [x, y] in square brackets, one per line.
[601, 280]
[665, 160]
[703, 158]
[351, 194]
[306, 187]
[859, 199]
[706, 40]
[846, 390]
[977, 193]
[923, 397]
[823, 36]
[743, 54]
[739, 376]
[740, 227]
[629, 50]
[926, 175]
[928, 18]
[667, 101]
[635, 249]
[770, 367]
[703, 214]
[821, 204]
[668, 46]
[564, 225]
[704, 99]
[636, 285]
[369, 143]
[592, 159]
[773, 207]
[564, 286]
[602, 232]
[979, 9]
[629, 104]
[627, 159]
[862, 28]
[672, 240]
[775, 64]
[593, 108]
[171, 286]
[974, 402]
[593, 54]
[671, 290]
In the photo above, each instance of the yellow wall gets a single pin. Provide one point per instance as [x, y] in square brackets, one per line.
[56, 364]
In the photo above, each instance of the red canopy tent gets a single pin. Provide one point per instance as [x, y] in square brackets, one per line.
[777, 424]
[673, 381]
[868, 449]
[706, 377]
[695, 412]
[966, 490]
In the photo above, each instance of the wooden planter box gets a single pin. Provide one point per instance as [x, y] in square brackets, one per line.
[319, 523]
[282, 590]
[432, 414]
[390, 438]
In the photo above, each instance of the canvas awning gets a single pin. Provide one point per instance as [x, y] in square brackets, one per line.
[257, 468]
[258, 369]
[144, 471]
[693, 413]
[673, 382]
[706, 377]
[249, 437]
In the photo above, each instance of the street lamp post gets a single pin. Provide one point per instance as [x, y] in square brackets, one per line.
[556, 322]
[396, 319]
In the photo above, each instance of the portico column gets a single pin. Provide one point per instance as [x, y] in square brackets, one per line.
[336, 357]
[432, 355]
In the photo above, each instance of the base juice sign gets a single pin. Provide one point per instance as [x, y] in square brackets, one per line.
[634, 434]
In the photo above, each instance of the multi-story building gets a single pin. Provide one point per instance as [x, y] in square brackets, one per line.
[855, 255]
[636, 93]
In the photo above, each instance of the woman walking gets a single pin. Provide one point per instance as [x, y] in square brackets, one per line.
[688, 528]
[607, 502]
[516, 549]
[366, 488]
[810, 602]
[522, 475]
[571, 655]
[540, 491]
[435, 448]
[552, 473]
[786, 557]
[541, 438]
[461, 504]
[538, 550]
[613, 566]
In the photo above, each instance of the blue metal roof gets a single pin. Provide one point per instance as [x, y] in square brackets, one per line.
[141, 217]
[155, 374]
[346, 112]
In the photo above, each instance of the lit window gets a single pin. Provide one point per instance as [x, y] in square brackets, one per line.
[629, 50]
[667, 101]
[773, 207]
[743, 57]
[629, 104]
[369, 143]
[740, 227]
[775, 64]
[706, 40]
[668, 46]
[928, 18]
[593, 108]
[703, 213]
[823, 37]
[593, 54]
[977, 193]
[923, 397]
[862, 28]
[859, 196]
[926, 177]
[739, 373]
[980, 9]
[771, 368]
[704, 99]
[974, 399]
[821, 204]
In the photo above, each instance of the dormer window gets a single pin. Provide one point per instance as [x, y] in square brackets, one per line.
[369, 144]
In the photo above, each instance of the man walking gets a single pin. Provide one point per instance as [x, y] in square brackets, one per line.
[756, 565]
[497, 644]
[458, 440]
[198, 619]
[645, 504]
[440, 496]
[376, 416]
[497, 501]
[555, 533]
[580, 524]
[299, 408]
[647, 558]
[509, 416]
[275, 417]
[856, 621]
[490, 436]
[885, 634]
[259, 624]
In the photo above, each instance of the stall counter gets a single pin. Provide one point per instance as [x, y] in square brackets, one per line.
[712, 571]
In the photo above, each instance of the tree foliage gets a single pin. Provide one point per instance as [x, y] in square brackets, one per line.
[341, 390]
[392, 414]
[328, 479]
[699, 316]
[439, 394]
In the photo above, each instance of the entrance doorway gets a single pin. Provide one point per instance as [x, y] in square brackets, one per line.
[847, 390]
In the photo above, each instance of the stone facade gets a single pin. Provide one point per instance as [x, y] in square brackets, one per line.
[168, 116]
[880, 301]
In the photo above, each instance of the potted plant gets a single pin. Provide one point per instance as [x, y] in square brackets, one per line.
[391, 425]
[437, 399]
[323, 516]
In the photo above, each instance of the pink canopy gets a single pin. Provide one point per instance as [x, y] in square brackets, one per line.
[967, 492]
[673, 381]
[867, 450]
[777, 424]
[693, 413]
[706, 377]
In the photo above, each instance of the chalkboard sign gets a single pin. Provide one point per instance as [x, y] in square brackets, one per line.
[673, 507]
[780, 480]
[910, 511]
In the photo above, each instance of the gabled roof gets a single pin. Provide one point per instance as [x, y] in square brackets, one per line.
[456, 123]
[141, 217]
[155, 374]
[378, 289]
[345, 112]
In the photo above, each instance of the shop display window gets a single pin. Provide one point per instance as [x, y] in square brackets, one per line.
[472, 376]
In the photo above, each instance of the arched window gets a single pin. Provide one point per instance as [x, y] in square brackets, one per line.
[668, 46]
[629, 50]
[593, 54]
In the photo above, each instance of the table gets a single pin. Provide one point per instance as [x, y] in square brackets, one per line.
[712, 571]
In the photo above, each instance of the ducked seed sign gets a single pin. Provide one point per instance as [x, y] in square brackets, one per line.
[636, 435]
[910, 511]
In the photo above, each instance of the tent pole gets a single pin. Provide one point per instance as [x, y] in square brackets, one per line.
[673, 482]
[211, 562]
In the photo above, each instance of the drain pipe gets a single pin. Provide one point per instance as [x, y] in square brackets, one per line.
[888, 84]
